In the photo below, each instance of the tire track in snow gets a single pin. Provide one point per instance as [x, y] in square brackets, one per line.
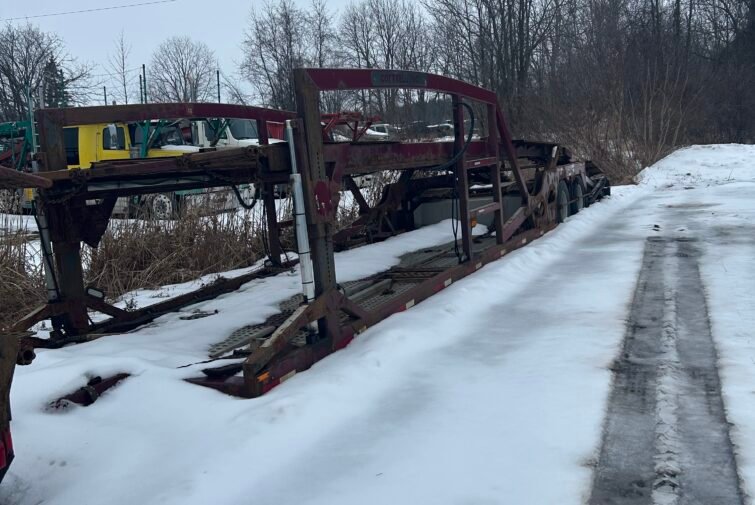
[666, 437]
[708, 469]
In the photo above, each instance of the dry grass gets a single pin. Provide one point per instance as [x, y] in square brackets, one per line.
[133, 254]
[21, 277]
[144, 253]
[137, 253]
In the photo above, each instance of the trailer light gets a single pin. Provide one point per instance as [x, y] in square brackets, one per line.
[263, 377]
[447, 282]
[409, 304]
[473, 222]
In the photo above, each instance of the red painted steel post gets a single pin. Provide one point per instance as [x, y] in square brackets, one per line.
[65, 233]
[462, 181]
[495, 172]
[317, 193]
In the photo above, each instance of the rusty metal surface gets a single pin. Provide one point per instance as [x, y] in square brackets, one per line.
[148, 112]
[88, 394]
[341, 79]
[402, 295]
[13, 179]
[245, 335]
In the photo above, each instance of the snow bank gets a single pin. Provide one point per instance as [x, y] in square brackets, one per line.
[702, 165]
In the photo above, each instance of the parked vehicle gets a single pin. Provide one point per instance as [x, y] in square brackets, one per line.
[225, 133]
[393, 132]
[91, 143]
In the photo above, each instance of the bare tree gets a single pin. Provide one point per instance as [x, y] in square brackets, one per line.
[182, 70]
[322, 36]
[386, 34]
[621, 81]
[26, 53]
[118, 64]
[275, 43]
[233, 91]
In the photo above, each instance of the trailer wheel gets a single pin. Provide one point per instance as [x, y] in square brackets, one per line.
[577, 196]
[562, 202]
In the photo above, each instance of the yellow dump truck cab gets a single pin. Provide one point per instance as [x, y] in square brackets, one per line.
[90, 143]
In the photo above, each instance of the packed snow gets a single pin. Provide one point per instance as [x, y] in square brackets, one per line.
[492, 391]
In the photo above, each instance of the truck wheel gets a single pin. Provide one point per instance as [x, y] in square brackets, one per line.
[562, 202]
[577, 196]
[162, 206]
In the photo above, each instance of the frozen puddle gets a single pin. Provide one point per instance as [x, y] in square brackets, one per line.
[666, 438]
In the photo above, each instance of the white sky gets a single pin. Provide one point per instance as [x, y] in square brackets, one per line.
[90, 37]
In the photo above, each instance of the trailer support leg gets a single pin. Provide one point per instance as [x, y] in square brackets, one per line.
[495, 174]
[462, 181]
[273, 230]
[321, 210]
[71, 285]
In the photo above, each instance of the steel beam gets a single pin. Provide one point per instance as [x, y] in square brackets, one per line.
[13, 179]
[462, 180]
[71, 285]
[273, 230]
[316, 185]
[495, 172]
[148, 112]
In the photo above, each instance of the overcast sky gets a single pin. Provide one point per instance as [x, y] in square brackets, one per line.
[90, 36]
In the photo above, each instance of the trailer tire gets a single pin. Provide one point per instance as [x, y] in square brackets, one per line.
[577, 196]
[562, 202]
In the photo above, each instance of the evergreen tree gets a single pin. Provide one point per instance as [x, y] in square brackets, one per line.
[55, 93]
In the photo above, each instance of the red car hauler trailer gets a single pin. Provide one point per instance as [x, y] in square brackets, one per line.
[519, 189]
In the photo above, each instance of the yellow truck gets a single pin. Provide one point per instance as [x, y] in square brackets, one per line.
[86, 144]
[90, 143]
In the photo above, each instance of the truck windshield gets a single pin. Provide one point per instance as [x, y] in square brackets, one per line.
[243, 129]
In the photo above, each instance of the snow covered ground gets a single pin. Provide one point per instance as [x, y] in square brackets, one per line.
[493, 391]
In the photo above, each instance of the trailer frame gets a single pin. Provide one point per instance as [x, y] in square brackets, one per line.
[528, 172]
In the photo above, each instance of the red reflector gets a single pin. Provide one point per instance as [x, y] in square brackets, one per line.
[6, 449]
[269, 385]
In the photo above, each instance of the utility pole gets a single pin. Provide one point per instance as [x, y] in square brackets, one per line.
[104, 91]
[144, 78]
[141, 90]
[217, 75]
